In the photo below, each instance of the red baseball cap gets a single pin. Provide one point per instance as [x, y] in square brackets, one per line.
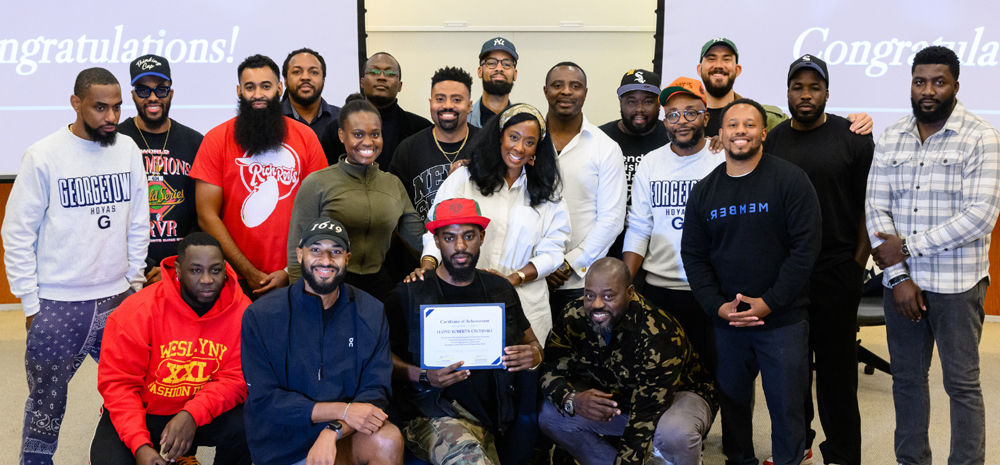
[457, 211]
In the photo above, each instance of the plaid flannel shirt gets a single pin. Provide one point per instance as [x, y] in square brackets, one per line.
[943, 196]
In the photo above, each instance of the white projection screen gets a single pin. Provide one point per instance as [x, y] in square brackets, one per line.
[43, 45]
[868, 47]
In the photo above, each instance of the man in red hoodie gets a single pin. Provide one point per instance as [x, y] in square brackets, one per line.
[171, 375]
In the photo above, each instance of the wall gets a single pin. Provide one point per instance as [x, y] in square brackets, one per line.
[603, 38]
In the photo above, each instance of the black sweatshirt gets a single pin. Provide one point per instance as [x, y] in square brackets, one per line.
[757, 235]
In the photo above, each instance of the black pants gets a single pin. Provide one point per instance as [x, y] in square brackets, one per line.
[834, 295]
[378, 284]
[558, 300]
[697, 324]
[225, 433]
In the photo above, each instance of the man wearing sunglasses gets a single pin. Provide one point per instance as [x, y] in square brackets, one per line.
[168, 150]
[663, 180]
[498, 70]
[381, 81]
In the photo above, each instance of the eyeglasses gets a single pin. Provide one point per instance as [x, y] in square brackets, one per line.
[689, 115]
[376, 72]
[493, 62]
[144, 91]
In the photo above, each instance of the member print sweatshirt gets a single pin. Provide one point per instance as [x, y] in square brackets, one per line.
[159, 357]
[77, 221]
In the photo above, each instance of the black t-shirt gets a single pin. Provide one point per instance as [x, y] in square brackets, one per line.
[397, 125]
[421, 166]
[635, 147]
[485, 113]
[837, 162]
[172, 213]
[714, 122]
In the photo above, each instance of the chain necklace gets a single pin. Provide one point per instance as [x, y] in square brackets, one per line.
[455, 153]
[164, 139]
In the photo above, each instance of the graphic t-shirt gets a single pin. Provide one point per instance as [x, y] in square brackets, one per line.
[258, 190]
[635, 147]
[421, 166]
[168, 157]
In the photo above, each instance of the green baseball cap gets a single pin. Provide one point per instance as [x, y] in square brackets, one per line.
[718, 41]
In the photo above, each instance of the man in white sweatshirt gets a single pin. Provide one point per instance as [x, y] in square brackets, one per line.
[75, 233]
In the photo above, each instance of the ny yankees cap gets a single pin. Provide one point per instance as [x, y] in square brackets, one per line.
[717, 41]
[685, 85]
[811, 62]
[457, 211]
[325, 228]
[639, 79]
[498, 43]
[149, 65]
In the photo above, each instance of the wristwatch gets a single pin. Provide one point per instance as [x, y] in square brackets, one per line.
[568, 404]
[423, 378]
[906, 250]
[336, 427]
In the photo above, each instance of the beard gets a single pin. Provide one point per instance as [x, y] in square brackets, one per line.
[745, 155]
[807, 120]
[638, 130]
[154, 124]
[718, 91]
[306, 101]
[696, 137]
[380, 101]
[464, 273]
[106, 140]
[258, 131]
[497, 87]
[943, 110]
[322, 288]
[447, 125]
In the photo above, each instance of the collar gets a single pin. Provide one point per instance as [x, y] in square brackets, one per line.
[953, 124]
[357, 171]
[312, 301]
[289, 110]
[585, 127]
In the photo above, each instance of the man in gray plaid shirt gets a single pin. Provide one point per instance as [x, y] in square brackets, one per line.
[933, 198]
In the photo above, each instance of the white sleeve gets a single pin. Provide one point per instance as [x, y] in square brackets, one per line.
[611, 195]
[640, 216]
[550, 251]
[452, 187]
[138, 230]
[26, 207]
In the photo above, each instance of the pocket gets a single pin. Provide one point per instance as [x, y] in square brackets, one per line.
[901, 169]
[943, 171]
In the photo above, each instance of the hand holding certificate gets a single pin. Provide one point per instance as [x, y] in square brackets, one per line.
[473, 333]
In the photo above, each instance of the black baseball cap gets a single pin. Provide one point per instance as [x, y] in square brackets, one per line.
[149, 65]
[811, 62]
[719, 41]
[639, 79]
[325, 228]
[498, 43]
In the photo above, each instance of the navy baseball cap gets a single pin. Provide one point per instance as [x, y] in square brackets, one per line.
[149, 65]
[498, 43]
[811, 62]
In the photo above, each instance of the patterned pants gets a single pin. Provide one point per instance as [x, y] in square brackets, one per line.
[62, 334]
[451, 441]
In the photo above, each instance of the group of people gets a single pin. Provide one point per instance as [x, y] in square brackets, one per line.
[649, 269]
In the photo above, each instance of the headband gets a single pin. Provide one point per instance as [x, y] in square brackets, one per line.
[522, 108]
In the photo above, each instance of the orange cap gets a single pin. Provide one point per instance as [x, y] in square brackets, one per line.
[686, 85]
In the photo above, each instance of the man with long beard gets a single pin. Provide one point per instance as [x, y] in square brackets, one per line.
[498, 70]
[618, 366]
[932, 202]
[656, 220]
[317, 364]
[248, 171]
[168, 148]
[837, 162]
[456, 415]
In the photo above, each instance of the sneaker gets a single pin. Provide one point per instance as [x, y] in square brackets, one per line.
[188, 460]
[806, 458]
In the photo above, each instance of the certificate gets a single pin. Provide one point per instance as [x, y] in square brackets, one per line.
[473, 333]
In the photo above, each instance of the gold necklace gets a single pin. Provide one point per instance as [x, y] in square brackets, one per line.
[147, 143]
[455, 153]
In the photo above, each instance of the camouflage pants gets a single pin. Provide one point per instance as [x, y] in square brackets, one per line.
[451, 441]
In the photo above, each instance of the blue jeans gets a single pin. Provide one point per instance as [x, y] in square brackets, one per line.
[955, 323]
[780, 355]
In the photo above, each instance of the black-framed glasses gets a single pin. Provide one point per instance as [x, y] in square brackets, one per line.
[492, 63]
[144, 91]
[689, 115]
[377, 72]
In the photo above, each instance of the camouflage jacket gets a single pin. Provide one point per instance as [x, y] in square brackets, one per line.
[648, 360]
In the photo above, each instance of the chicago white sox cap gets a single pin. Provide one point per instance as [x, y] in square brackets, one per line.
[639, 79]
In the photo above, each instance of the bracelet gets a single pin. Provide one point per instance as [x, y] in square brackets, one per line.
[344, 416]
[539, 362]
[431, 259]
[520, 274]
[897, 280]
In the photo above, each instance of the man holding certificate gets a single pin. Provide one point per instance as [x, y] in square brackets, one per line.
[464, 354]
[619, 366]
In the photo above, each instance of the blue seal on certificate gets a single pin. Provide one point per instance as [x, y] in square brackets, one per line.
[473, 333]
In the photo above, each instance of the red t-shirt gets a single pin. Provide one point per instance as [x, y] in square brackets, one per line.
[258, 190]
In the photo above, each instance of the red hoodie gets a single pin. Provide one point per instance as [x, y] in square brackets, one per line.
[159, 357]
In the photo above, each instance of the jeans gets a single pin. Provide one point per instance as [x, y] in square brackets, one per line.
[780, 356]
[955, 323]
[678, 432]
[697, 324]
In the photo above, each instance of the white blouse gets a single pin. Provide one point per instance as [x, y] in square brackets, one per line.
[517, 234]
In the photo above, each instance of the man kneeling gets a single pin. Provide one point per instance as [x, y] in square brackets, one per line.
[618, 366]
[170, 375]
[317, 364]
[455, 415]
